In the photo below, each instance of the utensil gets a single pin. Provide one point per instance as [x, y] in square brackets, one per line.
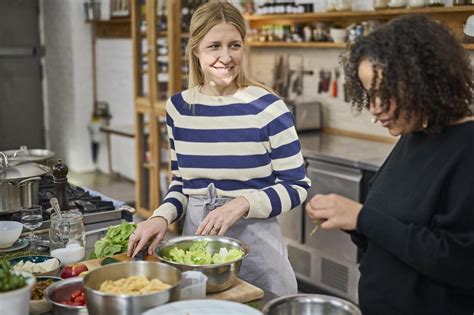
[208, 307]
[36, 259]
[316, 227]
[42, 306]
[141, 254]
[61, 291]
[106, 303]
[55, 204]
[219, 276]
[10, 231]
[32, 218]
[310, 304]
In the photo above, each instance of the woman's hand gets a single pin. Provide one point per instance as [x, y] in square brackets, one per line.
[155, 227]
[334, 211]
[219, 220]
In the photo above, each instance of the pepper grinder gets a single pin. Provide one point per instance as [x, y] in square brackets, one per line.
[60, 171]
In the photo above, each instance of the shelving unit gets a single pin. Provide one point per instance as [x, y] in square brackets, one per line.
[150, 95]
[453, 17]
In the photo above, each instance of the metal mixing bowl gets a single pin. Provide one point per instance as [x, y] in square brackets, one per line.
[310, 304]
[61, 291]
[122, 304]
[219, 276]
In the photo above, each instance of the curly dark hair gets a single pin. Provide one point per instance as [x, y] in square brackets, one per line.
[424, 68]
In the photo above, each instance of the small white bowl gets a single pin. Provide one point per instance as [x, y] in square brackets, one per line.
[10, 231]
[469, 27]
[338, 35]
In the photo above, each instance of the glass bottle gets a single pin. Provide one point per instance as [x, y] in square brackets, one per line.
[67, 237]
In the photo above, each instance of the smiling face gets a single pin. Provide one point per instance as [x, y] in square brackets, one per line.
[220, 55]
[396, 126]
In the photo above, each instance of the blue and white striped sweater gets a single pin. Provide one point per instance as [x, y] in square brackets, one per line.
[245, 144]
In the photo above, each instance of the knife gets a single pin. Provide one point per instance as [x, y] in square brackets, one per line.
[141, 254]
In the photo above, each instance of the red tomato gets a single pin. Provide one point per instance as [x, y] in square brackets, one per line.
[76, 293]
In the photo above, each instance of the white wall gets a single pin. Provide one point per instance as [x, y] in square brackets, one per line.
[68, 88]
[68, 74]
[115, 86]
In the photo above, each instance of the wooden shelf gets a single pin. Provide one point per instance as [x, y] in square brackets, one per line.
[306, 17]
[115, 28]
[296, 45]
[313, 45]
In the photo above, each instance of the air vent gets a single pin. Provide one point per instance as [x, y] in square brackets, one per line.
[300, 260]
[334, 275]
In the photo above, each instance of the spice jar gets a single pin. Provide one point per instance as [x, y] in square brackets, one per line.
[67, 237]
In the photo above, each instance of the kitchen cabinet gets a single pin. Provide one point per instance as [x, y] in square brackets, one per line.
[453, 17]
[156, 44]
[328, 260]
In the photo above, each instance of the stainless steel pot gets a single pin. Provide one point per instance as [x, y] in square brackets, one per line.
[19, 185]
[310, 304]
[99, 303]
[220, 277]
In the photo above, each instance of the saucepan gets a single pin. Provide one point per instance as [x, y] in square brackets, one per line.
[19, 184]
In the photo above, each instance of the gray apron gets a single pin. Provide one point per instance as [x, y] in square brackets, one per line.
[267, 265]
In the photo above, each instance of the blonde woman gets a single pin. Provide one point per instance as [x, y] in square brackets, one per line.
[235, 155]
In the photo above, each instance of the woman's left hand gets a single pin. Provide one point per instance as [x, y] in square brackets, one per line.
[334, 211]
[219, 220]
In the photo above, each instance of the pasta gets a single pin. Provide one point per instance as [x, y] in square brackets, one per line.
[134, 285]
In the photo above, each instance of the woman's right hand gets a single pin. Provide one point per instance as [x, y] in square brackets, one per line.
[155, 227]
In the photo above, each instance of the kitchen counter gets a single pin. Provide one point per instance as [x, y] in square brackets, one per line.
[364, 154]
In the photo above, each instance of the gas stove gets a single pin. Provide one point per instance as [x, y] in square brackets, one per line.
[98, 210]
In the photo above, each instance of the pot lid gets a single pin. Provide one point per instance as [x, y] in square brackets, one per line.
[28, 155]
[23, 171]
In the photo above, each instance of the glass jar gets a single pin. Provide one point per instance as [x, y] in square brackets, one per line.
[67, 237]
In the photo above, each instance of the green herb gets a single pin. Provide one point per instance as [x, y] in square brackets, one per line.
[9, 280]
[115, 240]
[199, 254]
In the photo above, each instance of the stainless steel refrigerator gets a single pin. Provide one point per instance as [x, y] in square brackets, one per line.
[21, 96]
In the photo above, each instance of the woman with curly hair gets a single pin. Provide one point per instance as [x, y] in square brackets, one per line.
[416, 227]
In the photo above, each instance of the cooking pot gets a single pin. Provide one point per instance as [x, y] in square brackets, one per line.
[19, 184]
[310, 304]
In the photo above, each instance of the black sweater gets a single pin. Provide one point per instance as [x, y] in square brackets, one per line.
[416, 228]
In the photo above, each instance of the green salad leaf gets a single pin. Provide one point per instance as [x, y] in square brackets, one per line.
[199, 254]
[115, 240]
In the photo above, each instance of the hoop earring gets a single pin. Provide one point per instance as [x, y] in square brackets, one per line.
[425, 122]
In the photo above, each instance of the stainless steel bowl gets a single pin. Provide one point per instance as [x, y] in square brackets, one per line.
[105, 303]
[61, 291]
[220, 276]
[310, 304]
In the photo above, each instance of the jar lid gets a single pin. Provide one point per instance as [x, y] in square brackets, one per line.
[67, 216]
[23, 171]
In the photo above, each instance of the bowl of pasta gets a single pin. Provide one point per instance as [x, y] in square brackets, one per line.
[131, 287]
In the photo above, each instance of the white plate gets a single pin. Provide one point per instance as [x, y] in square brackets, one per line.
[19, 244]
[203, 307]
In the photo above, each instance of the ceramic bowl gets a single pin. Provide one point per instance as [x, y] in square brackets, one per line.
[37, 259]
[338, 35]
[10, 231]
[41, 306]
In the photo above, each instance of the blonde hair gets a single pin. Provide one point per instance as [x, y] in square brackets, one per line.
[204, 18]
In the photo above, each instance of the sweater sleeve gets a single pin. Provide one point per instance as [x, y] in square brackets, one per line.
[291, 184]
[174, 205]
[444, 250]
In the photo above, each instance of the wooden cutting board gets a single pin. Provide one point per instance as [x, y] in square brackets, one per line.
[241, 291]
